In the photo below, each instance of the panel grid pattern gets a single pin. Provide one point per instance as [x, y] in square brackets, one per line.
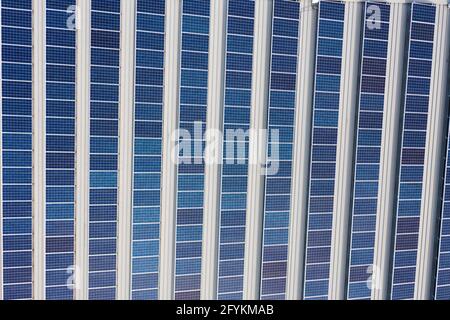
[147, 148]
[192, 118]
[413, 151]
[442, 291]
[368, 148]
[233, 198]
[105, 62]
[60, 150]
[16, 151]
[281, 117]
[323, 153]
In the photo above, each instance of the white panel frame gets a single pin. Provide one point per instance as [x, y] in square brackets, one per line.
[302, 146]
[169, 169]
[345, 148]
[214, 123]
[257, 149]
[39, 146]
[83, 63]
[126, 138]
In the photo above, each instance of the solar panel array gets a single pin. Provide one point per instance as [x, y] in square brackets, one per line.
[60, 156]
[413, 150]
[233, 198]
[442, 290]
[368, 149]
[105, 62]
[282, 105]
[147, 148]
[16, 50]
[191, 170]
[16, 151]
[323, 153]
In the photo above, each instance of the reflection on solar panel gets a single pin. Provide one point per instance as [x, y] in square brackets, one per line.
[367, 163]
[60, 158]
[282, 104]
[16, 49]
[238, 85]
[105, 47]
[147, 148]
[443, 267]
[193, 105]
[324, 140]
[413, 150]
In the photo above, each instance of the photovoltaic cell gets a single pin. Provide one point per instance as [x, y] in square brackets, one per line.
[105, 52]
[60, 150]
[442, 291]
[16, 150]
[147, 148]
[323, 153]
[368, 148]
[233, 198]
[192, 118]
[281, 117]
[413, 151]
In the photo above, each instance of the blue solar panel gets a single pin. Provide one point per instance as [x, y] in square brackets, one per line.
[60, 140]
[413, 151]
[323, 153]
[147, 148]
[367, 162]
[105, 52]
[192, 112]
[442, 290]
[16, 151]
[282, 104]
[233, 198]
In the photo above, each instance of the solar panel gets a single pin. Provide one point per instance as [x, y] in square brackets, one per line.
[368, 148]
[233, 197]
[281, 117]
[413, 150]
[191, 170]
[60, 155]
[147, 148]
[323, 153]
[16, 152]
[105, 52]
